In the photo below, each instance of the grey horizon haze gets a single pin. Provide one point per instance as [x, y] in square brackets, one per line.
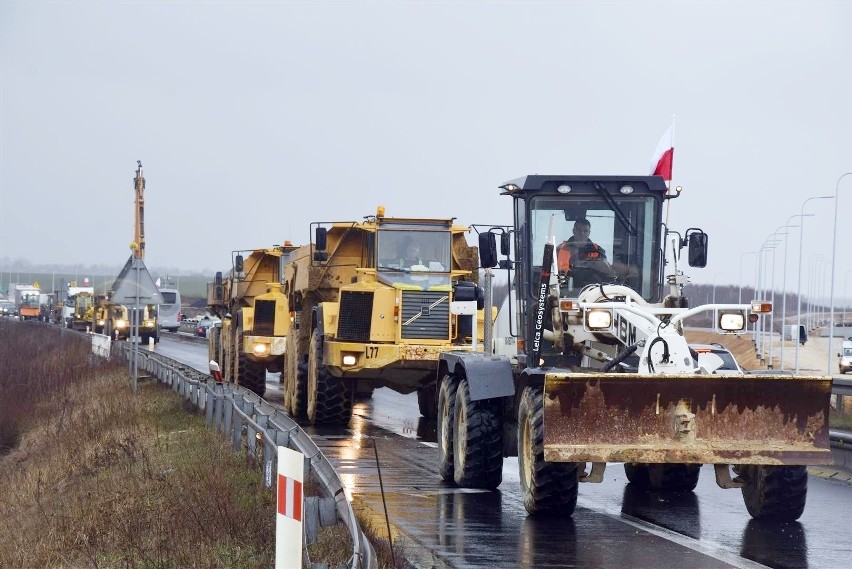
[253, 119]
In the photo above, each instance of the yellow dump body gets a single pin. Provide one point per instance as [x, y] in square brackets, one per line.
[703, 419]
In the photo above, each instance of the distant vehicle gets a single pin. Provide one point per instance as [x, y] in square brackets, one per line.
[7, 308]
[27, 300]
[845, 355]
[789, 333]
[717, 359]
[170, 315]
[204, 325]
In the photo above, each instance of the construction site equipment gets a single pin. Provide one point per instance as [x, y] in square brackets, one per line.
[587, 363]
[79, 306]
[371, 308]
[27, 300]
[255, 316]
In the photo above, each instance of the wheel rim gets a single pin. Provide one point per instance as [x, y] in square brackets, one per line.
[460, 439]
[526, 455]
[444, 426]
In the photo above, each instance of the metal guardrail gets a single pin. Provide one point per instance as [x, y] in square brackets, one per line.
[841, 386]
[247, 419]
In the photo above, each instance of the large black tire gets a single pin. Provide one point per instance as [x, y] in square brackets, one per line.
[775, 493]
[427, 401]
[477, 441]
[667, 478]
[547, 487]
[213, 339]
[329, 397]
[252, 375]
[296, 378]
[446, 417]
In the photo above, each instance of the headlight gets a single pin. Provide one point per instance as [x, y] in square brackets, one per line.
[260, 349]
[732, 321]
[100, 322]
[349, 360]
[598, 319]
[120, 323]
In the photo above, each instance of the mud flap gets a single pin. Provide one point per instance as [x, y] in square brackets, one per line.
[700, 419]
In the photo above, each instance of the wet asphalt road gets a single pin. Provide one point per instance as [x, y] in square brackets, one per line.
[614, 525]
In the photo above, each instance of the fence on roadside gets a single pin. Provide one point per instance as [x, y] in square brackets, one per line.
[252, 424]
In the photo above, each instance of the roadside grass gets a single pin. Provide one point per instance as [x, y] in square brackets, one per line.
[94, 477]
[99, 478]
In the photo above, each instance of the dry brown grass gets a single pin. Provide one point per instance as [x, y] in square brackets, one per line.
[93, 477]
[101, 479]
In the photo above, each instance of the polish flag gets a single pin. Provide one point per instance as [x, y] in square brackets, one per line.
[661, 162]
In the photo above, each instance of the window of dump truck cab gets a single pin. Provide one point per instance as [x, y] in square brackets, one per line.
[629, 243]
[432, 244]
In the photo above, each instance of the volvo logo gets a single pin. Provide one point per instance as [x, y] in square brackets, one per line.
[425, 309]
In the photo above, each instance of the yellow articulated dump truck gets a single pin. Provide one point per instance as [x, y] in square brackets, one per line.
[371, 305]
[255, 317]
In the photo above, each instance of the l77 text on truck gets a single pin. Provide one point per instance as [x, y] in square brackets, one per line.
[588, 364]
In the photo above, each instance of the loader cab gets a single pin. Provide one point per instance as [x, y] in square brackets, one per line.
[623, 222]
[624, 228]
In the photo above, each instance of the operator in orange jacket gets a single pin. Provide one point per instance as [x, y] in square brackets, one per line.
[578, 245]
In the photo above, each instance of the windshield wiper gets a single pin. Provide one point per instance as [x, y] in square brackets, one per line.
[615, 208]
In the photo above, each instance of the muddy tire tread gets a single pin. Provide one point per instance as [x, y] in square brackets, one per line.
[554, 486]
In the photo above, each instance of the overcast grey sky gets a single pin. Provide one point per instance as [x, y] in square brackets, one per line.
[252, 119]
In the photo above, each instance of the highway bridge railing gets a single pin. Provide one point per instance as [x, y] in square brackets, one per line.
[253, 425]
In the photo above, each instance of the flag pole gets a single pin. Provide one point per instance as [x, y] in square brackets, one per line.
[670, 183]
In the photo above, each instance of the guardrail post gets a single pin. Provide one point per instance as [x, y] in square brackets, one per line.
[228, 409]
[218, 405]
[269, 451]
[209, 406]
[310, 521]
[236, 440]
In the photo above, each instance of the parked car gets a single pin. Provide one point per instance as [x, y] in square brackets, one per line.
[204, 326]
[717, 359]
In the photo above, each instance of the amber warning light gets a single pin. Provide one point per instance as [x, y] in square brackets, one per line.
[761, 307]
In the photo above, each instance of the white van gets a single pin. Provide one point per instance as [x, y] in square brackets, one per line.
[845, 355]
[169, 315]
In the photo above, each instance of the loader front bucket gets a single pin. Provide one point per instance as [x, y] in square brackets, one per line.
[701, 419]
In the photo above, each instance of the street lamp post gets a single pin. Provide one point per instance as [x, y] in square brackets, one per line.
[772, 314]
[784, 287]
[740, 297]
[768, 245]
[833, 252]
[811, 304]
[799, 289]
[714, 287]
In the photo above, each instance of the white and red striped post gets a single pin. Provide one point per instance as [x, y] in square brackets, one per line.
[288, 520]
[215, 371]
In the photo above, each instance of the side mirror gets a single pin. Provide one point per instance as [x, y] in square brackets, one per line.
[504, 243]
[321, 239]
[698, 250]
[320, 244]
[238, 264]
[487, 250]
